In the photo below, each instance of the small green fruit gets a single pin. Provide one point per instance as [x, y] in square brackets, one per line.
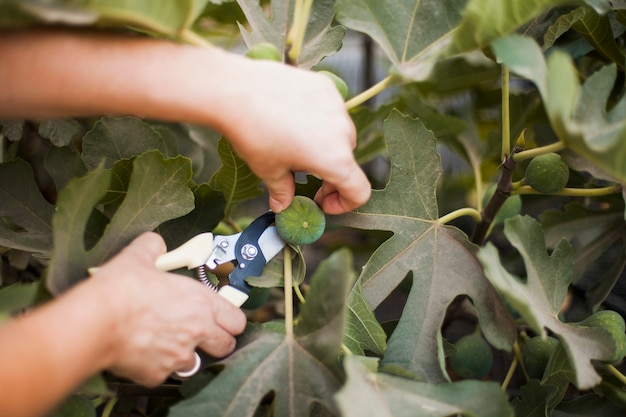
[612, 322]
[265, 50]
[547, 173]
[536, 353]
[339, 83]
[473, 357]
[302, 223]
[511, 207]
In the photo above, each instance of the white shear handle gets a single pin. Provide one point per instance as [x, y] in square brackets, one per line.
[190, 254]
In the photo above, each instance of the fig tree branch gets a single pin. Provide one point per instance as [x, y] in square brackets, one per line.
[503, 191]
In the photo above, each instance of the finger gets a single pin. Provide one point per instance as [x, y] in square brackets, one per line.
[228, 317]
[348, 193]
[147, 246]
[220, 344]
[282, 190]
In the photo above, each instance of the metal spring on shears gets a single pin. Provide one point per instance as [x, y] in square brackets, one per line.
[202, 277]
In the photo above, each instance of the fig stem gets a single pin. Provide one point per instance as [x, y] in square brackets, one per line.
[370, 92]
[509, 374]
[295, 37]
[301, 298]
[466, 211]
[572, 192]
[506, 115]
[288, 287]
[108, 408]
[531, 153]
[192, 38]
[616, 373]
[518, 355]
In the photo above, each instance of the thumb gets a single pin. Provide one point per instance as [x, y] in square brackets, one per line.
[281, 191]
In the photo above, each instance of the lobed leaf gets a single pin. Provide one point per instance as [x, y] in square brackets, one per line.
[411, 33]
[442, 262]
[363, 331]
[487, 20]
[25, 215]
[320, 40]
[113, 139]
[300, 371]
[169, 18]
[389, 395]
[538, 300]
[578, 114]
[234, 179]
[157, 191]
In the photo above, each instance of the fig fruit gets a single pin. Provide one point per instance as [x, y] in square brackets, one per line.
[302, 223]
[511, 207]
[266, 51]
[473, 357]
[536, 353]
[547, 173]
[341, 85]
[612, 322]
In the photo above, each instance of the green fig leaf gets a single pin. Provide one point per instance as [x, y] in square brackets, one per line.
[487, 20]
[538, 300]
[113, 139]
[389, 395]
[26, 216]
[301, 370]
[157, 191]
[208, 211]
[234, 179]
[171, 18]
[423, 248]
[320, 40]
[60, 132]
[363, 332]
[63, 164]
[411, 33]
[578, 114]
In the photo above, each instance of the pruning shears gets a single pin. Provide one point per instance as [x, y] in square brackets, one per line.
[249, 251]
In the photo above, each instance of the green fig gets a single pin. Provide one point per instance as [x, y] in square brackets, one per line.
[536, 353]
[547, 173]
[302, 223]
[473, 357]
[266, 51]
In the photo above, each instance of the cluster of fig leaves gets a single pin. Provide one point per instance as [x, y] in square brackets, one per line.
[93, 185]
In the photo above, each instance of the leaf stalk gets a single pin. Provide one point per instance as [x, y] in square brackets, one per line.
[465, 211]
[295, 37]
[531, 153]
[572, 192]
[370, 92]
[288, 287]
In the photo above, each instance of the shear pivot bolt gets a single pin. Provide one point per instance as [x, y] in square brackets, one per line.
[249, 252]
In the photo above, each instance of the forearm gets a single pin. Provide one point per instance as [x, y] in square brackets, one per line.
[56, 73]
[46, 354]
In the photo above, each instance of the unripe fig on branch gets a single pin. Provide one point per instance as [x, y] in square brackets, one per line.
[264, 50]
[302, 223]
[547, 173]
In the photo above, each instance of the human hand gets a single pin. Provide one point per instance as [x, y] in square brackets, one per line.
[292, 120]
[161, 317]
